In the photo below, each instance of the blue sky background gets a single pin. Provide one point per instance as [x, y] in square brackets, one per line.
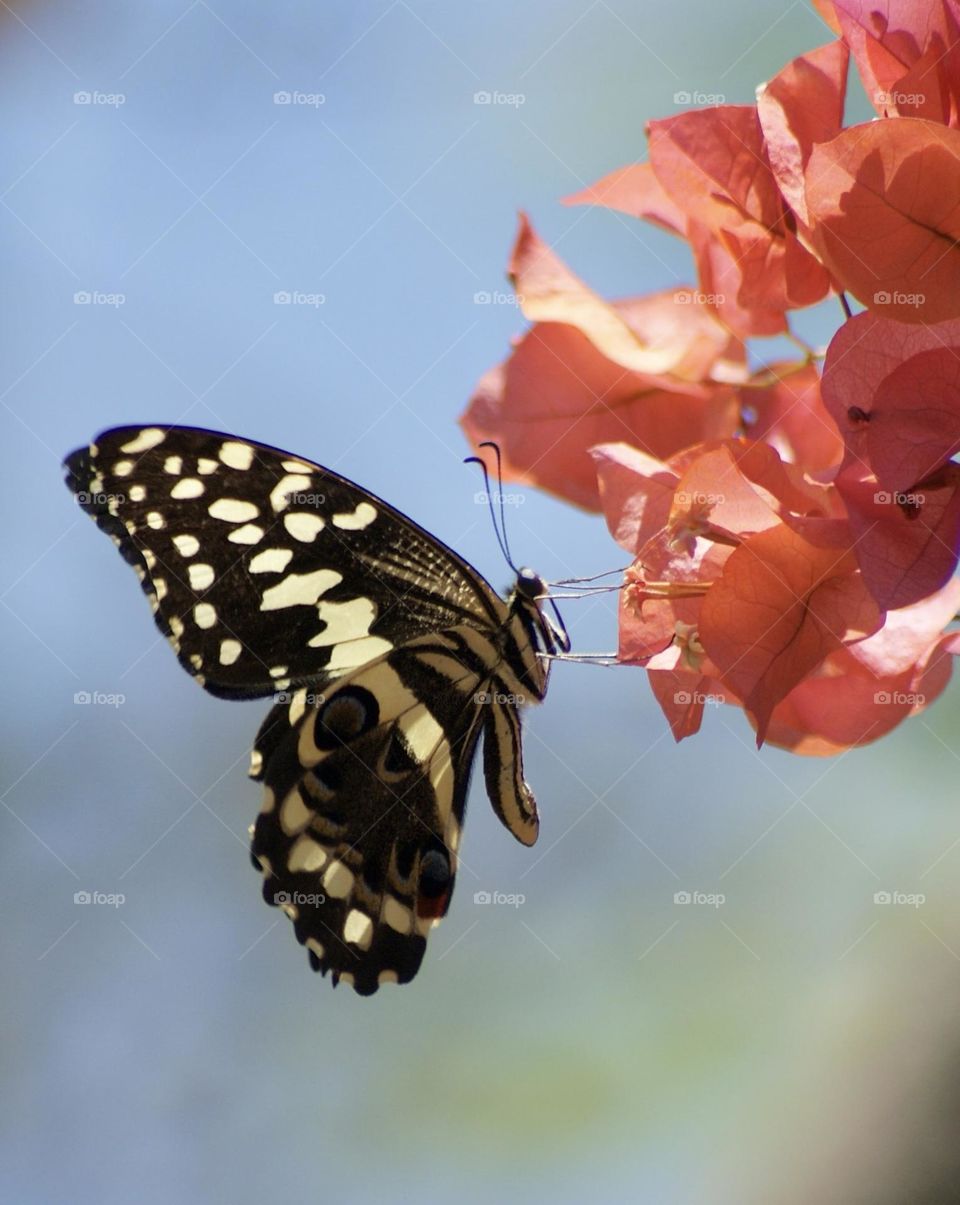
[782, 1047]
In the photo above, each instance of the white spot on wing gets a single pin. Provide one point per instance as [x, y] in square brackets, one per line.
[186, 545]
[293, 483]
[201, 576]
[230, 650]
[422, 731]
[358, 929]
[256, 766]
[338, 880]
[205, 466]
[304, 527]
[137, 493]
[356, 520]
[315, 946]
[160, 588]
[146, 439]
[236, 455]
[187, 487]
[298, 589]
[357, 652]
[204, 615]
[123, 468]
[345, 621]
[306, 855]
[396, 915]
[173, 465]
[156, 521]
[271, 560]
[233, 510]
[248, 534]
[298, 705]
[296, 466]
[294, 814]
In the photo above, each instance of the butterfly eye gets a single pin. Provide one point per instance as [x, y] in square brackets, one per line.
[349, 714]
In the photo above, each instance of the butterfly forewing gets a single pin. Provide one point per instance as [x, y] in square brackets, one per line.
[388, 656]
[266, 570]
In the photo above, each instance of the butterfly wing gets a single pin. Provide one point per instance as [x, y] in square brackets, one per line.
[364, 795]
[269, 573]
[264, 570]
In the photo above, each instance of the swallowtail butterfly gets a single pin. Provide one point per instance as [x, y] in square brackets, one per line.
[387, 656]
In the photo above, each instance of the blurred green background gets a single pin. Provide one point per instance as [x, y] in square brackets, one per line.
[798, 1042]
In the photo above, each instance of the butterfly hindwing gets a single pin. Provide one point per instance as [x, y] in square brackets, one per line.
[364, 795]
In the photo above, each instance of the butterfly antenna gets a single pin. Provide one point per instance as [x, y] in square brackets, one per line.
[489, 443]
[501, 537]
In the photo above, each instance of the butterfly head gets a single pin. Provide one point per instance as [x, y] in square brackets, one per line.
[529, 595]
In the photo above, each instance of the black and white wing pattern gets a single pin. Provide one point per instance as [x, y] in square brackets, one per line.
[387, 656]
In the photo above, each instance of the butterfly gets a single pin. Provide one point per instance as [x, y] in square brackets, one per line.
[387, 657]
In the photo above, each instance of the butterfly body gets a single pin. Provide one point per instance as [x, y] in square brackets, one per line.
[389, 658]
